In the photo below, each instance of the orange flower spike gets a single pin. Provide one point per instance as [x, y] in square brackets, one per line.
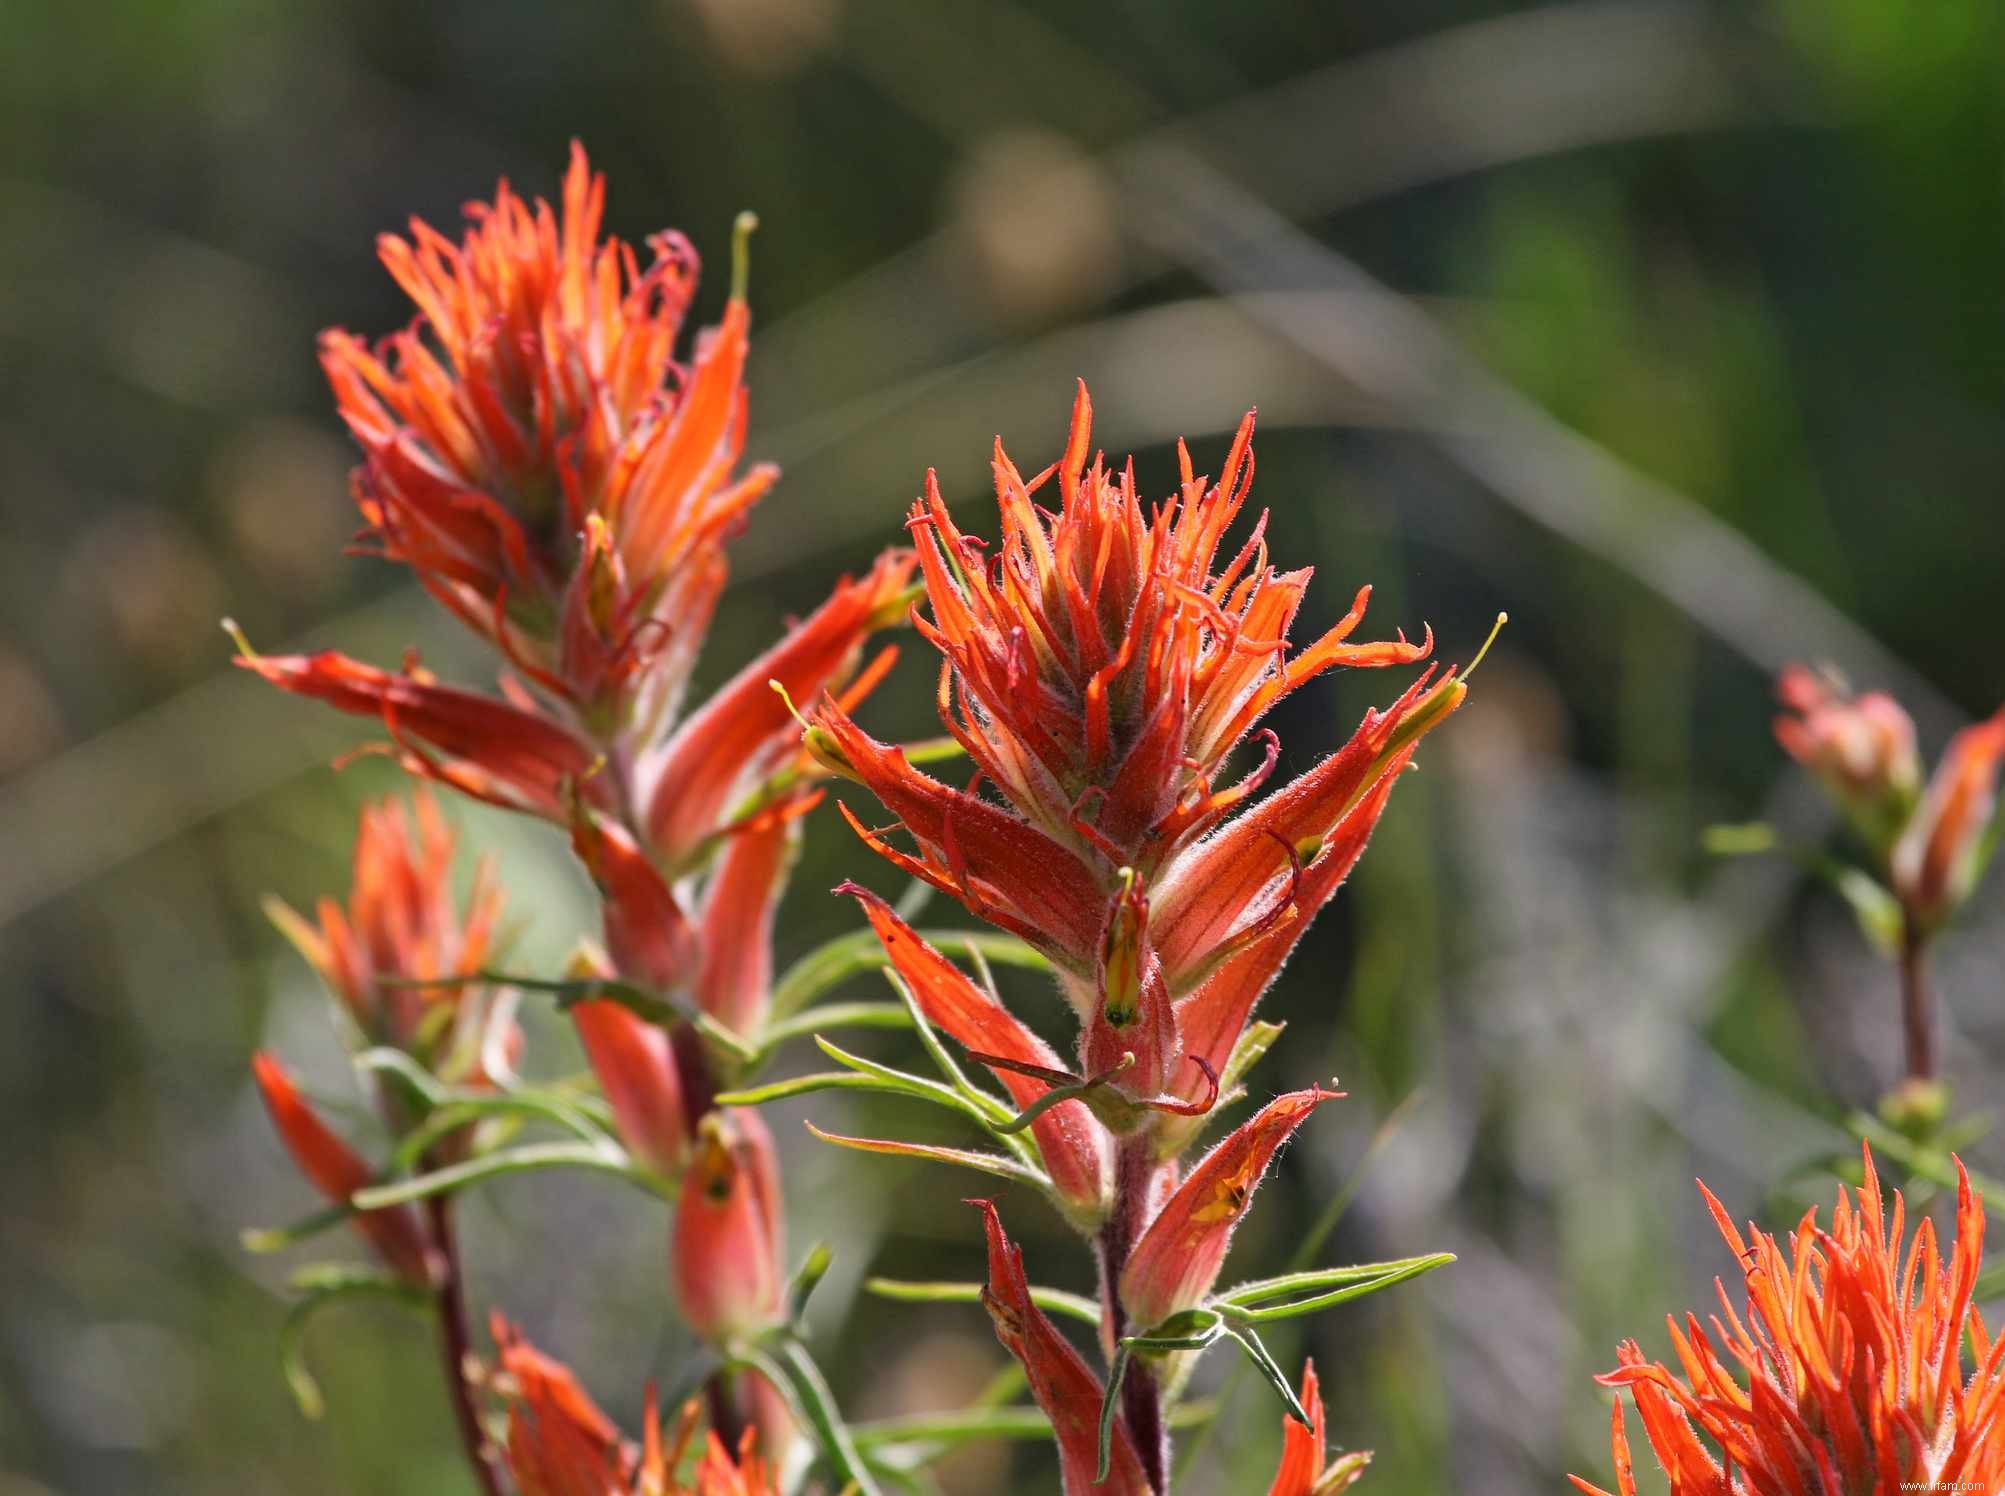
[729, 1233]
[1074, 1146]
[401, 921]
[1853, 1359]
[1178, 1257]
[537, 393]
[1060, 1380]
[1302, 1471]
[337, 1171]
[1936, 861]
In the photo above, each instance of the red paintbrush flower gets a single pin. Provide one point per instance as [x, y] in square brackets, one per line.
[1852, 1359]
[1100, 670]
[533, 450]
[1937, 859]
[1302, 1471]
[1060, 1380]
[400, 927]
[729, 1231]
[560, 1443]
[337, 1171]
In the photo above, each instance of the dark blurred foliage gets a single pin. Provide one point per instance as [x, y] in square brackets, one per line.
[1752, 251]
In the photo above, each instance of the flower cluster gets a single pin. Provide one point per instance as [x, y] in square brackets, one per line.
[1100, 667]
[1846, 1374]
[535, 452]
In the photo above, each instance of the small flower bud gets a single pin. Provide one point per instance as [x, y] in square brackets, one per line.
[728, 1229]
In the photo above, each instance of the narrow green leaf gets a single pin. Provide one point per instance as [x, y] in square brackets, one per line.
[1257, 1353]
[1258, 1290]
[326, 1284]
[1050, 1300]
[462, 1109]
[420, 1082]
[1329, 1300]
[832, 1016]
[785, 1362]
[968, 1158]
[456, 1177]
[810, 1273]
[267, 1239]
[1109, 1400]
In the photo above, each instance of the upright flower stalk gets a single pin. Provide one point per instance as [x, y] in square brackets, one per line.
[1926, 844]
[1101, 665]
[1846, 1371]
[534, 451]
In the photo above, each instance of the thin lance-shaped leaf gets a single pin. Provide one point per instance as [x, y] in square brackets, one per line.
[881, 1077]
[325, 1284]
[1384, 1275]
[829, 966]
[460, 1110]
[832, 1016]
[1193, 1330]
[995, 1113]
[455, 1177]
[570, 991]
[1051, 1300]
[1257, 1353]
[266, 1239]
[988, 1163]
[1071, 1090]
[415, 1078]
[784, 1362]
[814, 1267]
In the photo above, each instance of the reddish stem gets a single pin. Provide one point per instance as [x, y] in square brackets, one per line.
[455, 1347]
[1141, 1392]
[1917, 1004]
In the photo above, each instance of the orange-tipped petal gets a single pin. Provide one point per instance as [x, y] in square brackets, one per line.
[1060, 1380]
[1178, 1258]
[338, 1171]
[559, 1441]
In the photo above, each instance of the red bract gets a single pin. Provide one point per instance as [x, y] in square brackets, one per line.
[1935, 862]
[1852, 1359]
[1176, 1261]
[337, 1171]
[1302, 1471]
[1060, 1380]
[729, 1232]
[535, 398]
[1076, 1150]
[509, 753]
[561, 1444]
[1099, 670]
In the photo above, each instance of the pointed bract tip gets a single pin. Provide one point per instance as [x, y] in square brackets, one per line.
[742, 229]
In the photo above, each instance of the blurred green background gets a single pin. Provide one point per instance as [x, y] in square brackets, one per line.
[1674, 329]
